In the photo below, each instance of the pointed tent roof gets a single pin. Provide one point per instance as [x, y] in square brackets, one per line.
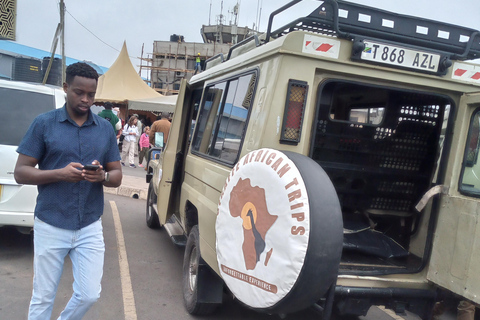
[122, 83]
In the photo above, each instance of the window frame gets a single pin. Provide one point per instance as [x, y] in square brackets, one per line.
[465, 162]
[226, 80]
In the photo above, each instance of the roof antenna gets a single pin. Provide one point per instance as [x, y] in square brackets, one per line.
[221, 13]
[260, 14]
[210, 12]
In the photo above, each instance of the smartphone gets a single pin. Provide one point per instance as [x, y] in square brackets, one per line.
[92, 167]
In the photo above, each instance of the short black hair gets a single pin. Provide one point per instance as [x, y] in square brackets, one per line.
[108, 105]
[80, 69]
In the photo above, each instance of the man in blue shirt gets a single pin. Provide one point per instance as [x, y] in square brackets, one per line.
[70, 198]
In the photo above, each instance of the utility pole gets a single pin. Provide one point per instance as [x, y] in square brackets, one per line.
[59, 33]
[141, 62]
[62, 38]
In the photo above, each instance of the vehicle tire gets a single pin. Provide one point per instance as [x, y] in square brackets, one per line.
[278, 211]
[151, 214]
[191, 262]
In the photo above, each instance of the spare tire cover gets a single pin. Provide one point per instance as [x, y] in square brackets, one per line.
[278, 231]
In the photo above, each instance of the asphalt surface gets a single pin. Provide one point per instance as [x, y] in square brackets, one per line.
[134, 184]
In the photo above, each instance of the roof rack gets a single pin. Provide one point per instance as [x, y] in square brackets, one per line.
[355, 22]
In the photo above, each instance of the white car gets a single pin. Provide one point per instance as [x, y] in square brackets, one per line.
[21, 102]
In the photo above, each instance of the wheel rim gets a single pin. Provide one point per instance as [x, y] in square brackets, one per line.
[192, 269]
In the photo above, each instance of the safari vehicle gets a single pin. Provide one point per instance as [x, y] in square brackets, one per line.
[334, 163]
[20, 103]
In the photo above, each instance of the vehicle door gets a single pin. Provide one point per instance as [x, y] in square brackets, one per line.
[456, 245]
[173, 156]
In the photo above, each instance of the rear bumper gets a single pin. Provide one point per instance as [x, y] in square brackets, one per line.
[357, 301]
[18, 219]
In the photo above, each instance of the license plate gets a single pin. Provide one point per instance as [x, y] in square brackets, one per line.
[398, 56]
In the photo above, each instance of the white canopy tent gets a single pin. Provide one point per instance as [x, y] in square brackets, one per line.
[158, 104]
[122, 86]
[122, 83]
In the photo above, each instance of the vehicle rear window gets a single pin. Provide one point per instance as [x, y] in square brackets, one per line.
[19, 108]
[380, 146]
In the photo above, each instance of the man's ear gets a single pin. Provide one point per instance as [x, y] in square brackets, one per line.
[65, 87]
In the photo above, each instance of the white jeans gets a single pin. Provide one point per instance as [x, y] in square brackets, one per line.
[128, 147]
[86, 249]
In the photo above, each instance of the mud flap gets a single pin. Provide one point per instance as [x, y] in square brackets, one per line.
[210, 285]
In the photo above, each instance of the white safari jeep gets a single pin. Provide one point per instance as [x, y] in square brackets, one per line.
[334, 162]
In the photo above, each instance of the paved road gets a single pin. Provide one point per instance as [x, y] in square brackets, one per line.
[136, 172]
[142, 274]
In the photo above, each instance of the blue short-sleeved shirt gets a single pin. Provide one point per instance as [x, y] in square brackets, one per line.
[56, 140]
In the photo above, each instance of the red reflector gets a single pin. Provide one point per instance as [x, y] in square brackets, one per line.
[294, 110]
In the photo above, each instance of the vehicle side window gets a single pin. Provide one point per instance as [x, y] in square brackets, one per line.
[222, 118]
[470, 181]
[21, 107]
[208, 116]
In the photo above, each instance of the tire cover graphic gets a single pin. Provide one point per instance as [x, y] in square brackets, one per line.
[263, 230]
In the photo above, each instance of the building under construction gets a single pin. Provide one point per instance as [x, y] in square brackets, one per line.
[175, 60]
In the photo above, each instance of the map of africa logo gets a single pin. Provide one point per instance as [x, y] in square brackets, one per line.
[249, 204]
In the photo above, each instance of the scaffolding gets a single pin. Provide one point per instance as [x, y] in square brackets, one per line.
[173, 61]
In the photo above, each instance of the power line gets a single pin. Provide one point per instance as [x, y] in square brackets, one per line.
[94, 33]
[90, 31]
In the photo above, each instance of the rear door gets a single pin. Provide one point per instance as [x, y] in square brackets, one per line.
[172, 158]
[456, 247]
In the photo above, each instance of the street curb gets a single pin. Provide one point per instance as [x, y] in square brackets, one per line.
[132, 187]
[127, 191]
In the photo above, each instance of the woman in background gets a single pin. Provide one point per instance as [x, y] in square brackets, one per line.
[144, 146]
[130, 131]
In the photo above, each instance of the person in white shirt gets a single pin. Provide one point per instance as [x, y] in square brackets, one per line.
[140, 130]
[130, 131]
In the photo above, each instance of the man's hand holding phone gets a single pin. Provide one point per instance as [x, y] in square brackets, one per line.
[93, 172]
[91, 167]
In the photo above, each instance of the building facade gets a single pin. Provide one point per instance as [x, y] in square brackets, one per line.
[173, 61]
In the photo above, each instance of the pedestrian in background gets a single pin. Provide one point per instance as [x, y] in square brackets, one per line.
[70, 199]
[161, 125]
[130, 132]
[144, 146]
[111, 117]
[140, 131]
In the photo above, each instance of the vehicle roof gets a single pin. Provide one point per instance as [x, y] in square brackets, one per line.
[446, 40]
[292, 44]
[29, 86]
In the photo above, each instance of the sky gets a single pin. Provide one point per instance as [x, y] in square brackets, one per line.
[95, 30]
